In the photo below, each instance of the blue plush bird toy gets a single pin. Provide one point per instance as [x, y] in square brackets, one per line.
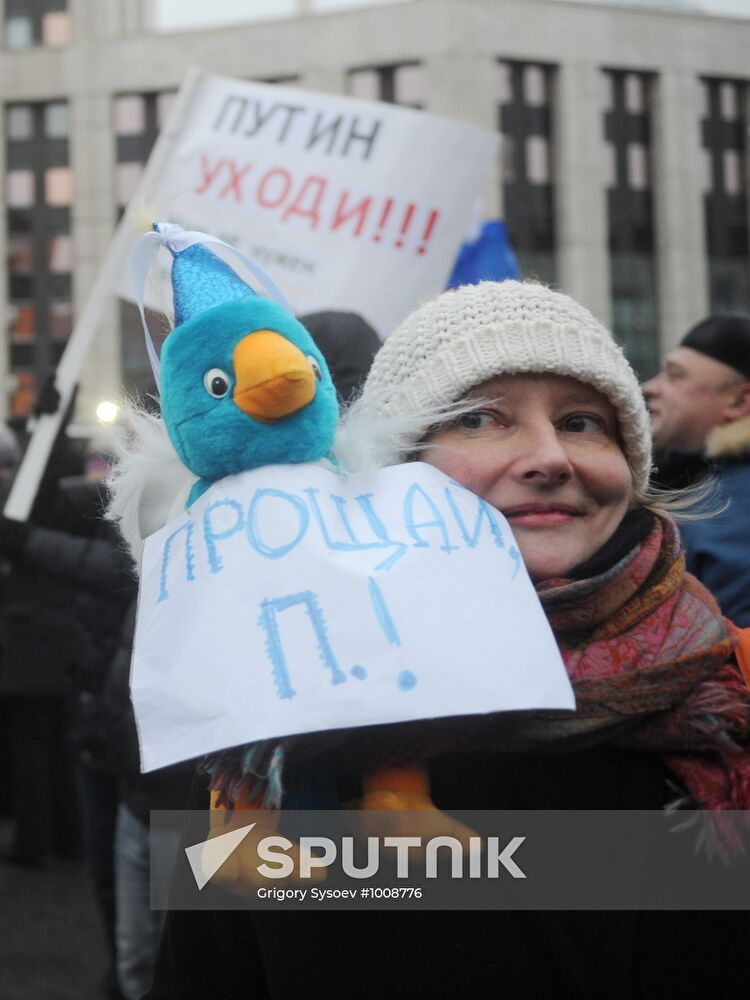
[242, 383]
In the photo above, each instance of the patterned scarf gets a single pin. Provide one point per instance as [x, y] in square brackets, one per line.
[646, 648]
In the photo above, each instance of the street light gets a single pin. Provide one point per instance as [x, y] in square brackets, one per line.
[107, 412]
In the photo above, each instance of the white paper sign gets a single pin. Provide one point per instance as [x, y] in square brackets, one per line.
[290, 599]
[348, 204]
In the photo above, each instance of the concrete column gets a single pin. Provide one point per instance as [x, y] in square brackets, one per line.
[4, 344]
[324, 79]
[678, 204]
[92, 160]
[109, 18]
[137, 16]
[90, 20]
[464, 85]
[580, 202]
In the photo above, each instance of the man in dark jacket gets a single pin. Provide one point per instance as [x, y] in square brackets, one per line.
[66, 644]
[38, 642]
[700, 416]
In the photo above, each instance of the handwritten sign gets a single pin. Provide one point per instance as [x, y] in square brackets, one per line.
[340, 200]
[290, 600]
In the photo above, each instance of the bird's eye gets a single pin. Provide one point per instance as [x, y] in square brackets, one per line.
[315, 367]
[216, 383]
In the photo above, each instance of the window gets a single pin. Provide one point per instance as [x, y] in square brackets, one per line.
[19, 33]
[400, 84]
[58, 186]
[39, 191]
[525, 118]
[60, 254]
[19, 123]
[56, 29]
[60, 320]
[364, 84]
[23, 393]
[22, 323]
[20, 255]
[19, 188]
[56, 120]
[36, 22]
[627, 133]
[138, 118]
[20, 268]
[130, 114]
[164, 102]
[723, 136]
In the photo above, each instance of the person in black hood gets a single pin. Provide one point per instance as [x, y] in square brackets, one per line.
[38, 640]
[68, 586]
[348, 343]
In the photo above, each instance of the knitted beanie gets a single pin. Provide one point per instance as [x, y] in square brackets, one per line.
[466, 336]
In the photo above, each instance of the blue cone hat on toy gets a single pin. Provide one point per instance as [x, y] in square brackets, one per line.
[201, 280]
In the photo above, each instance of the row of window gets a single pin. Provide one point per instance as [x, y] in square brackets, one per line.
[36, 22]
[526, 94]
[40, 190]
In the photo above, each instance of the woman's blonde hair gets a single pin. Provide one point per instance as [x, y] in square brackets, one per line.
[698, 502]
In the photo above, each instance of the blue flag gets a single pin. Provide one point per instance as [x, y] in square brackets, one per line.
[489, 258]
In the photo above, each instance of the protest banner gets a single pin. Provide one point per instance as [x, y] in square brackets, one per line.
[347, 204]
[290, 600]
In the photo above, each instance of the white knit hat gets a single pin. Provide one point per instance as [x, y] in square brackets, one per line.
[466, 336]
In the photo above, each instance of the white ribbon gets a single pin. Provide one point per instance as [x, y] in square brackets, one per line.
[176, 239]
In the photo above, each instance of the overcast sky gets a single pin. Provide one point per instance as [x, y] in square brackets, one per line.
[177, 14]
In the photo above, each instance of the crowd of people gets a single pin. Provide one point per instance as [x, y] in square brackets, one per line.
[627, 504]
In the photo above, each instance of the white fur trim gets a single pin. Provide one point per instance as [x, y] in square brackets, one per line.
[148, 483]
[729, 439]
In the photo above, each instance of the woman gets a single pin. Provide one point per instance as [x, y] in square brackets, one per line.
[521, 395]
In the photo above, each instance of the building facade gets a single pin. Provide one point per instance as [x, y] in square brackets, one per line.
[624, 175]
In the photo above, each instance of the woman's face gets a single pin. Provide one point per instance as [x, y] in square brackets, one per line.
[545, 452]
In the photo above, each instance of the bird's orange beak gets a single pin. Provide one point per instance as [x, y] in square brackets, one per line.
[273, 377]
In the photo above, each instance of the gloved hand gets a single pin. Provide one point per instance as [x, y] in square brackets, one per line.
[13, 535]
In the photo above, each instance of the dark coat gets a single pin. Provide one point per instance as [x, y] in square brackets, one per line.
[37, 625]
[717, 550]
[289, 955]
[68, 592]
[111, 738]
[37, 634]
